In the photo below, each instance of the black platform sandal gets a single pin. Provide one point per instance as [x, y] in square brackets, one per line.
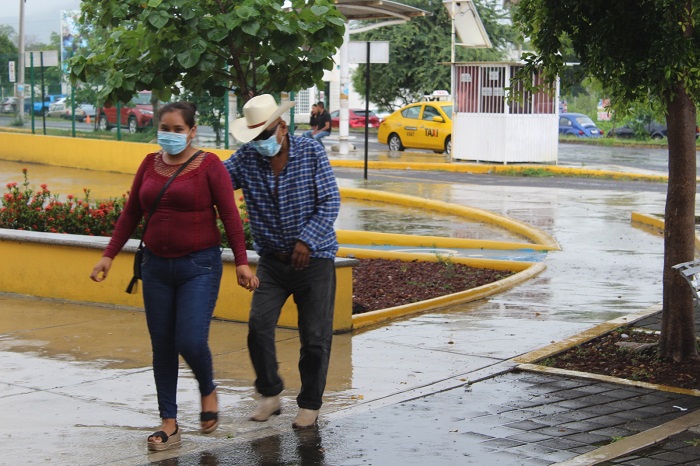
[207, 416]
[166, 441]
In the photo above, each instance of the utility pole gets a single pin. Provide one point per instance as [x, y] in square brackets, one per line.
[20, 62]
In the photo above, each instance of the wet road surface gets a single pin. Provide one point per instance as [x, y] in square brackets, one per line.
[77, 381]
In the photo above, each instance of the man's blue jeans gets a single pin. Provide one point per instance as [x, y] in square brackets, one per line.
[313, 289]
[320, 135]
[179, 296]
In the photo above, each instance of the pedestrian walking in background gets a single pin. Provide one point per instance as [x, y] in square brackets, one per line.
[293, 201]
[181, 267]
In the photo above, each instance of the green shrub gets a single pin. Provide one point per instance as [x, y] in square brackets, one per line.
[22, 208]
[25, 209]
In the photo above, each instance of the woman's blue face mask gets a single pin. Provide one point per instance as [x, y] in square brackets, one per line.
[173, 143]
[268, 147]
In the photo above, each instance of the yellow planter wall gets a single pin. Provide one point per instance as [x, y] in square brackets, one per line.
[58, 266]
[63, 272]
[89, 154]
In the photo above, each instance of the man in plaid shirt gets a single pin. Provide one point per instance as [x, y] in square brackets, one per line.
[292, 200]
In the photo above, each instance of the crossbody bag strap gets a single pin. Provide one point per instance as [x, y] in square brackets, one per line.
[162, 190]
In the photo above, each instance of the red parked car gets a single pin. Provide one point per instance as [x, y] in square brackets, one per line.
[357, 118]
[135, 115]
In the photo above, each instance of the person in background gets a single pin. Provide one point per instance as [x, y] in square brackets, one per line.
[313, 121]
[293, 201]
[323, 125]
[181, 268]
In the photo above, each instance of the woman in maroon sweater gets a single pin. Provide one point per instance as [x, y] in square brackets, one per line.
[181, 268]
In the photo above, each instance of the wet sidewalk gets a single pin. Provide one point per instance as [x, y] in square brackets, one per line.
[435, 389]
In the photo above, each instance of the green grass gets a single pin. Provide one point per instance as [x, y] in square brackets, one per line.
[618, 142]
[533, 172]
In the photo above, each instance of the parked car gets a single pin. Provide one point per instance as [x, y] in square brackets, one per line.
[653, 129]
[88, 110]
[421, 125]
[8, 105]
[136, 115]
[356, 117]
[39, 106]
[579, 125]
[65, 110]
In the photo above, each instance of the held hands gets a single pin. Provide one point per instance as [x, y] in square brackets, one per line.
[102, 267]
[246, 278]
[300, 256]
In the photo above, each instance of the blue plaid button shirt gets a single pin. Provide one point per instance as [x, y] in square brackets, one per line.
[302, 204]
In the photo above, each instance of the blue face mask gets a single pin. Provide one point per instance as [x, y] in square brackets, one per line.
[173, 143]
[268, 147]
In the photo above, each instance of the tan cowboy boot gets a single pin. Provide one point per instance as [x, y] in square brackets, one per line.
[267, 406]
[305, 418]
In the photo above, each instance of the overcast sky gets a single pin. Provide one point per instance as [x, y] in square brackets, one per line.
[41, 17]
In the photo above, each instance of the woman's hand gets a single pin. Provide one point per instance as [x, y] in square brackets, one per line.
[102, 267]
[246, 278]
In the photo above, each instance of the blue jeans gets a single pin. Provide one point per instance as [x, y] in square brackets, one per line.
[179, 296]
[313, 289]
[320, 135]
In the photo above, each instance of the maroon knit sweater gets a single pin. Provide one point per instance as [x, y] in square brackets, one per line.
[185, 219]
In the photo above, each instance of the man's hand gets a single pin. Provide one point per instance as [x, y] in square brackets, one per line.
[300, 256]
[246, 278]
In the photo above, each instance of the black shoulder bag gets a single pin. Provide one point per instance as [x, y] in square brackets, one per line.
[138, 255]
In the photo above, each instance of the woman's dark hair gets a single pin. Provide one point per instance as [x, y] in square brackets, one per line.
[186, 109]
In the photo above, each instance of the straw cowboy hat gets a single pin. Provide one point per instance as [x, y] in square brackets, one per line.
[258, 113]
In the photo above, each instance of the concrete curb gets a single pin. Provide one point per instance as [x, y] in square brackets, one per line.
[533, 234]
[372, 318]
[635, 442]
[626, 445]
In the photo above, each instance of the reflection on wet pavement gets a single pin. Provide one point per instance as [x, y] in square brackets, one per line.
[73, 374]
[387, 218]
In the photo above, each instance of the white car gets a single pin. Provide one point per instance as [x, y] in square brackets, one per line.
[8, 105]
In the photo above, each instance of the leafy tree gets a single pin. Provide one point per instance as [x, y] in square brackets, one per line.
[9, 32]
[641, 51]
[420, 49]
[210, 111]
[250, 46]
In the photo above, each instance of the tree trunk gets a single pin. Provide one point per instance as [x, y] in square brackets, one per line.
[677, 340]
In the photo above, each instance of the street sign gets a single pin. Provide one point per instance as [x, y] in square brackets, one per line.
[11, 70]
[378, 52]
[45, 57]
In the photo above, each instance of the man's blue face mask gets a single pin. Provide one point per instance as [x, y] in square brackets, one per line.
[267, 146]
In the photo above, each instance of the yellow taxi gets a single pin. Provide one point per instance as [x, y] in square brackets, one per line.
[422, 125]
